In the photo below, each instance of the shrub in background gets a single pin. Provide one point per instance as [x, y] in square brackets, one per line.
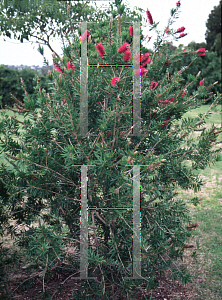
[10, 85]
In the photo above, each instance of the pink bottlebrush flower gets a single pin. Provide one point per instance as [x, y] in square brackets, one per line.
[145, 59]
[57, 68]
[172, 99]
[100, 49]
[153, 85]
[124, 48]
[182, 35]
[114, 81]
[149, 17]
[178, 3]
[70, 66]
[97, 102]
[201, 51]
[185, 52]
[167, 30]
[181, 29]
[84, 36]
[50, 120]
[141, 72]
[149, 37]
[127, 56]
[201, 82]
[131, 30]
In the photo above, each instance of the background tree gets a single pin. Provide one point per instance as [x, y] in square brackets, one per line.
[44, 19]
[10, 84]
[208, 65]
[213, 33]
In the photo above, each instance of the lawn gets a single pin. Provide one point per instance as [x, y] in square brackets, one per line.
[205, 259]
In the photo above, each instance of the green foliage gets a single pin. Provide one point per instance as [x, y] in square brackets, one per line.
[41, 174]
[43, 245]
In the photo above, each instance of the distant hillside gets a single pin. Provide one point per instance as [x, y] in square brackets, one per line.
[38, 69]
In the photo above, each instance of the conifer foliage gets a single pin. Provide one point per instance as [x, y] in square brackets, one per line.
[43, 155]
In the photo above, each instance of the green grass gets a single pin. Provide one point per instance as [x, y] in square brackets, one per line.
[205, 260]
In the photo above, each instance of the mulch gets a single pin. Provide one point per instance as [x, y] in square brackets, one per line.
[167, 289]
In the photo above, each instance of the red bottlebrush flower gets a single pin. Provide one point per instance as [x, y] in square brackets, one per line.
[60, 78]
[84, 36]
[192, 226]
[149, 17]
[108, 133]
[182, 35]
[100, 49]
[50, 120]
[149, 37]
[141, 72]
[161, 102]
[165, 123]
[172, 99]
[70, 66]
[131, 30]
[181, 29]
[184, 93]
[188, 246]
[127, 56]
[201, 82]
[145, 59]
[58, 69]
[124, 48]
[97, 102]
[142, 60]
[178, 3]
[114, 81]
[146, 62]
[184, 52]
[201, 51]
[153, 85]
[167, 30]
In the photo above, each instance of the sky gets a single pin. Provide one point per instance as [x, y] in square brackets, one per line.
[193, 16]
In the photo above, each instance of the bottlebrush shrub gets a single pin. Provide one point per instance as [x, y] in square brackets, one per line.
[41, 172]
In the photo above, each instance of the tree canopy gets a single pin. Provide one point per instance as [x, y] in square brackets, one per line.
[213, 33]
[43, 19]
